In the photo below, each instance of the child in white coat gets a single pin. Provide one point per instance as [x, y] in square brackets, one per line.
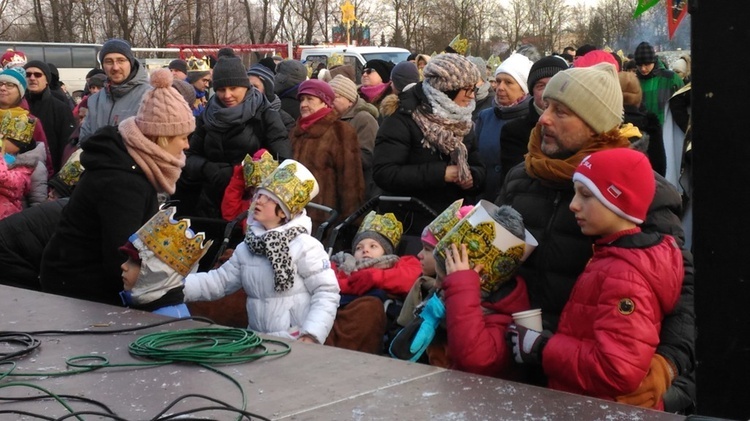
[292, 292]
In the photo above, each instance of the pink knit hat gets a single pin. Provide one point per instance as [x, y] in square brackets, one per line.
[163, 111]
[622, 179]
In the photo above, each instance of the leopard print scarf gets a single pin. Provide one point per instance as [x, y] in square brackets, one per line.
[275, 246]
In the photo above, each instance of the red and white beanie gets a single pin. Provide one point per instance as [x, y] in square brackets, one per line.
[622, 179]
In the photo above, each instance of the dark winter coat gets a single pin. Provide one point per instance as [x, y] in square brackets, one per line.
[515, 135]
[289, 101]
[563, 251]
[110, 202]
[404, 167]
[488, 127]
[23, 237]
[330, 150]
[219, 143]
[650, 127]
[57, 120]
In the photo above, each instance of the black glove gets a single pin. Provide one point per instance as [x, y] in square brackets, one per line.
[527, 344]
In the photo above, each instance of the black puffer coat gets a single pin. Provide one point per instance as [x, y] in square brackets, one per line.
[57, 120]
[23, 237]
[563, 251]
[402, 166]
[110, 202]
[222, 140]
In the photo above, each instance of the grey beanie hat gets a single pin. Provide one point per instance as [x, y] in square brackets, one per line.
[403, 74]
[229, 71]
[266, 76]
[545, 67]
[387, 246]
[288, 74]
[186, 90]
[117, 45]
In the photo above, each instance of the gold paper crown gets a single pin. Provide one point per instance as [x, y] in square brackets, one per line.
[195, 64]
[336, 59]
[293, 184]
[488, 243]
[386, 225]
[256, 171]
[18, 126]
[461, 45]
[494, 62]
[172, 241]
[71, 172]
[446, 220]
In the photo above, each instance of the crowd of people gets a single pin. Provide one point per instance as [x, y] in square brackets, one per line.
[547, 174]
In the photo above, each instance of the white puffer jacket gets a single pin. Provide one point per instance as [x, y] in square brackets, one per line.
[308, 307]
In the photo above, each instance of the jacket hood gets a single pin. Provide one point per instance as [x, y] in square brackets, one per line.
[105, 149]
[389, 105]
[32, 158]
[361, 106]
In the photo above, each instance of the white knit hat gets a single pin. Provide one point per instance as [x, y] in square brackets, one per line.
[517, 66]
[593, 93]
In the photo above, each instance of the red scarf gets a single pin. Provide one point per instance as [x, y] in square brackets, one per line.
[307, 122]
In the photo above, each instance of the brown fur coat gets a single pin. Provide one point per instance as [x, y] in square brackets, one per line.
[330, 150]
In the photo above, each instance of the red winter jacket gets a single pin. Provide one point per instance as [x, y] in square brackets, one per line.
[396, 280]
[609, 328]
[234, 201]
[476, 328]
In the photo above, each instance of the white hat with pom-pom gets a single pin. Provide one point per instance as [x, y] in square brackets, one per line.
[163, 111]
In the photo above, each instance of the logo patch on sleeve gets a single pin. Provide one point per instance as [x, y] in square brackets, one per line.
[626, 306]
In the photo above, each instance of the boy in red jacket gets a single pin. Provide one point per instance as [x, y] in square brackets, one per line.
[609, 328]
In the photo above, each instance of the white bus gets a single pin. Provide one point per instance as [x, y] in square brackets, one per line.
[73, 60]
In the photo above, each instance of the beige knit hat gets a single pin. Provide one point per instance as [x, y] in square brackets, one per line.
[344, 87]
[163, 111]
[450, 72]
[593, 93]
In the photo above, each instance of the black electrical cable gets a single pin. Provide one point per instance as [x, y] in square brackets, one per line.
[16, 340]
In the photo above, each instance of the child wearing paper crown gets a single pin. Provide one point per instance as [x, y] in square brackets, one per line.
[291, 289]
[23, 174]
[159, 256]
[374, 264]
[609, 327]
[246, 177]
[426, 285]
[477, 290]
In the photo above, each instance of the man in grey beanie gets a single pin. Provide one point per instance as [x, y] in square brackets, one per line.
[127, 82]
[289, 74]
[583, 116]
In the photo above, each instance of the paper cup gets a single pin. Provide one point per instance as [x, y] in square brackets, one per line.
[530, 319]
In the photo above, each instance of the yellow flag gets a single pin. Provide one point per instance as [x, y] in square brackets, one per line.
[347, 12]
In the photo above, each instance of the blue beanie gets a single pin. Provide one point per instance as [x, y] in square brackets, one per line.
[116, 45]
[15, 75]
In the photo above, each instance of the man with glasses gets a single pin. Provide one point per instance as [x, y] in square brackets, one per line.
[127, 82]
[55, 115]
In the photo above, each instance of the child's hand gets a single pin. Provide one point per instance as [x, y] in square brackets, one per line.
[456, 260]
[307, 339]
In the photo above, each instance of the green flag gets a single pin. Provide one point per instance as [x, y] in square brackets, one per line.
[642, 6]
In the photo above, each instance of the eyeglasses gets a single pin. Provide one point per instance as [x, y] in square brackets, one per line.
[206, 80]
[367, 71]
[37, 75]
[8, 85]
[111, 62]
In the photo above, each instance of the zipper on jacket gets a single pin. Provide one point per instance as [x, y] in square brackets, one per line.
[547, 231]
